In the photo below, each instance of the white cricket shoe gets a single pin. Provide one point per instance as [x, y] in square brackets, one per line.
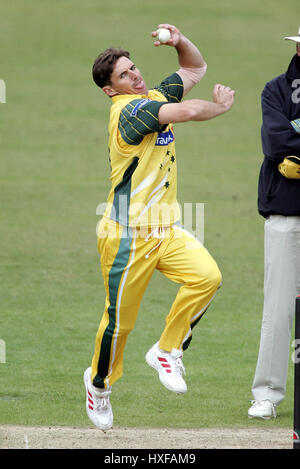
[262, 410]
[98, 406]
[169, 367]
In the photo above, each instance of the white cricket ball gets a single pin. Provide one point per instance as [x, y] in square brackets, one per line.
[163, 35]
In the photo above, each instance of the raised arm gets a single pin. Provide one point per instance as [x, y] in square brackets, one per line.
[192, 65]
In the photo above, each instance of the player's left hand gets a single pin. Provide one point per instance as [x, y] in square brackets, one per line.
[175, 35]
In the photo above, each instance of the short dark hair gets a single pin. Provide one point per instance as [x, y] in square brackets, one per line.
[104, 65]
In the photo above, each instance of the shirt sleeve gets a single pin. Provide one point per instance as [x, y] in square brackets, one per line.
[138, 119]
[172, 88]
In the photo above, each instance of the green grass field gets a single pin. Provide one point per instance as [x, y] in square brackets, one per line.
[54, 172]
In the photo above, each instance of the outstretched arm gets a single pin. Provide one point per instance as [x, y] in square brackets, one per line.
[192, 64]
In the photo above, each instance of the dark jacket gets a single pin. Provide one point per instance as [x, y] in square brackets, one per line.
[280, 102]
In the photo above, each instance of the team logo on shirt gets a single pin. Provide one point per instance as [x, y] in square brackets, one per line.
[138, 106]
[164, 138]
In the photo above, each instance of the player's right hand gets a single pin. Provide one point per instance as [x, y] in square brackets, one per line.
[175, 35]
[223, 95]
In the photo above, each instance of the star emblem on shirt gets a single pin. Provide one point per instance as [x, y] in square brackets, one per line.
[167, 184]
[173, 159]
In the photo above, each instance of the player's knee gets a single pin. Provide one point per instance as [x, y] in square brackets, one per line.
[216, 278]
[212, 278]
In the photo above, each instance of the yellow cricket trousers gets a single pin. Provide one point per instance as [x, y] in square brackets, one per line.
[128, 259]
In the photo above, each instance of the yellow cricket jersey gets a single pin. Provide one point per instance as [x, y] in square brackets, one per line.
[143, 158]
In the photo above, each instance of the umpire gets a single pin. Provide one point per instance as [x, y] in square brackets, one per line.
[279, 204]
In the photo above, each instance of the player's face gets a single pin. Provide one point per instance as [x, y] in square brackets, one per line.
[126, 79]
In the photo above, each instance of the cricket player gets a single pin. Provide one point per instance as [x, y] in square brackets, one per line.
[140, 230]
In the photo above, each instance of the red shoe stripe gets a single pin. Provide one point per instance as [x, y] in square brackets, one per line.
[89, 394]
[91, 407]
[166, 365]
[90, 400]
[161, 359]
